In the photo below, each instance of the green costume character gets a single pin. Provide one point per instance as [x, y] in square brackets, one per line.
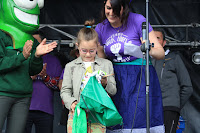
[19, 59]
[19, 18]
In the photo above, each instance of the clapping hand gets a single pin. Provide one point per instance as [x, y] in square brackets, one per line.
[44, 48]
[27, 48]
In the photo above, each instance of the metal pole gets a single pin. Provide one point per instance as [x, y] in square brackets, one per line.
[147, 68]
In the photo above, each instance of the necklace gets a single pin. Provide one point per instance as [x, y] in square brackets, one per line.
[117, 29]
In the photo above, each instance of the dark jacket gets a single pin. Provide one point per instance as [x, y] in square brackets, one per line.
[15, 70]
[174, 80]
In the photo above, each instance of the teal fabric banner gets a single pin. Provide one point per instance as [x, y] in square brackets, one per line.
[95, 98]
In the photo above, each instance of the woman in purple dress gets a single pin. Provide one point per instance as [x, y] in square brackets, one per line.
[120, 36]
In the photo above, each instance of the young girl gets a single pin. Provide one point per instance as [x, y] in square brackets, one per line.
[77, 73]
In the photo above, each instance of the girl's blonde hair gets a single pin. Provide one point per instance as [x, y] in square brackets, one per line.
[87, 33]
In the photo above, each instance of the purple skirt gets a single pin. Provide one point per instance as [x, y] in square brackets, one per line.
[128, 80]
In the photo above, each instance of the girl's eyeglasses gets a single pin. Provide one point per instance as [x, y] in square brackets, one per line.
[85, 51]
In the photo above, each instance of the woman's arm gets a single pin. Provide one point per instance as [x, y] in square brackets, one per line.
[157, 51]
[100, 51]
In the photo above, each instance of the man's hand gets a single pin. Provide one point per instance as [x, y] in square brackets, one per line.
[27, 48]
[44, 48]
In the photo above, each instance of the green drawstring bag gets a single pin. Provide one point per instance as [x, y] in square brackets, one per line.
[101, 107]
[79, 120]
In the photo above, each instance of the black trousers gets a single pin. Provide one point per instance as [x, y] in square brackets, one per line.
[43, 122]
[170, 121]
[64, 116]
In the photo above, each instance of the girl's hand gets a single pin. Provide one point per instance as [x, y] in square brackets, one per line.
[44, 48]
[73, 106]
[104, 82]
